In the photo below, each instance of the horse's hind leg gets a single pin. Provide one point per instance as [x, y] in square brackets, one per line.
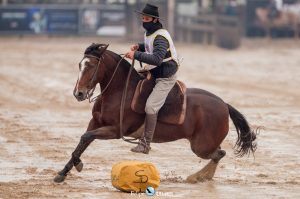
[207, 172]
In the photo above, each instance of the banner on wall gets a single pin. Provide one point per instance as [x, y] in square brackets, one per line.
[90, 20]
[108, 21]
[112, 23]
[102, 22]
[62, 20]
[24, 20]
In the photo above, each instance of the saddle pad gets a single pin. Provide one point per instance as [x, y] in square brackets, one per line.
[174, 109]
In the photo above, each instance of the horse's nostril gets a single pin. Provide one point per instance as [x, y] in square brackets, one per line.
[80, 94]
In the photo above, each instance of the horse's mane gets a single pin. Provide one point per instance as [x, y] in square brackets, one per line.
[117, 57]
[94, 49]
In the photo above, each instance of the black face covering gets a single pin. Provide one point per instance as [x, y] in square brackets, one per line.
[148, 25]
[151, 27]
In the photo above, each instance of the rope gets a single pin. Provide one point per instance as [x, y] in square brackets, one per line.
[123, 101]
[96, 97]
[124, 94]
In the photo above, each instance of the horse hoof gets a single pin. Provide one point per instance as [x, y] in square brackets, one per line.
[59, 178]
[191, 180]
[79, 166]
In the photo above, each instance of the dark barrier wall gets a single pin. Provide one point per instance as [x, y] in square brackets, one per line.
[15, 20]
[103, 21]
[62, 21]
[43, 19]
[250, 15]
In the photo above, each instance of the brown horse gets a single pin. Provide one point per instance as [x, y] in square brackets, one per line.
[285, 19]
[205, 126]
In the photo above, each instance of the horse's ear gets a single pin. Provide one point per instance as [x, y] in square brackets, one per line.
[103, 48]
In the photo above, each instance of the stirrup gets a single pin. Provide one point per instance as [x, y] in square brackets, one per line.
[143, 142]
[145, 148]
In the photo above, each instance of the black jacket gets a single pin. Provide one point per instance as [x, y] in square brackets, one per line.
[160, 52]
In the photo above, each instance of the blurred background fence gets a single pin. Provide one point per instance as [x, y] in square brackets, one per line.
[220, 22]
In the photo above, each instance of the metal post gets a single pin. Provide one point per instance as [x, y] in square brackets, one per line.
[4, 2]
[171, 14]
[127, 20]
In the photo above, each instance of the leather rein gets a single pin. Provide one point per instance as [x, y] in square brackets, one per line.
[124, 94]
[90, 92]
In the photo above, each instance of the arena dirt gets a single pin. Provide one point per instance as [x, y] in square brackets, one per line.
[41, 122]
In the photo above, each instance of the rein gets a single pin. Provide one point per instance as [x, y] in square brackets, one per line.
[123, 100]
[124, 94]
[91, 91]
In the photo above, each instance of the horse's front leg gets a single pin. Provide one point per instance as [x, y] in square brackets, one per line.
[106, 132]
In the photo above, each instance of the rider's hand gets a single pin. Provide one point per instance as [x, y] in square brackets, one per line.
[134, 47]
[130, 55]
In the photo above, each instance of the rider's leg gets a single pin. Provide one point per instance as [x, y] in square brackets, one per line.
[144, 144]
[154, 102]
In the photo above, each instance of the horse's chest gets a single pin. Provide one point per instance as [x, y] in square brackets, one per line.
[108, 112]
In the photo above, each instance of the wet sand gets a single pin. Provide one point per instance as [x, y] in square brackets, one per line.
[41, 122]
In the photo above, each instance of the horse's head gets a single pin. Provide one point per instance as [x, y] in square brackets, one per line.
[88, 71]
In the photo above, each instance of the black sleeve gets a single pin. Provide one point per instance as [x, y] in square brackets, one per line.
[160, 47]
[141, 47]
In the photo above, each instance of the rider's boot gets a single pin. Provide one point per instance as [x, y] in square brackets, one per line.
[144, 144]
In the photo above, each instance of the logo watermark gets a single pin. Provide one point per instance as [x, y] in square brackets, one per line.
[151, 192]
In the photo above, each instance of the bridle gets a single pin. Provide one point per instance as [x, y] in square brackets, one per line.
[91, 88]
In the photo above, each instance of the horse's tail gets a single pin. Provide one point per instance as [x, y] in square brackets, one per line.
[245, 143]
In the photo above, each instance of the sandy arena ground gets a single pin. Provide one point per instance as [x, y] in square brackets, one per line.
[41, 122]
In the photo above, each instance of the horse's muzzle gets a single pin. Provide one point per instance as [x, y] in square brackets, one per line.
[80, 95]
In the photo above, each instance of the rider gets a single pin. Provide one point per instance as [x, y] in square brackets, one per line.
[159, 52]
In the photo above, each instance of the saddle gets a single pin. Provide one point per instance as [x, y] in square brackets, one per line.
[174, 109]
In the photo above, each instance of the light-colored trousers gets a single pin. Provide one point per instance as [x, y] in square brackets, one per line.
[159, 94]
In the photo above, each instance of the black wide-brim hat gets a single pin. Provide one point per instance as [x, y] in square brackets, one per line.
[150, 10]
